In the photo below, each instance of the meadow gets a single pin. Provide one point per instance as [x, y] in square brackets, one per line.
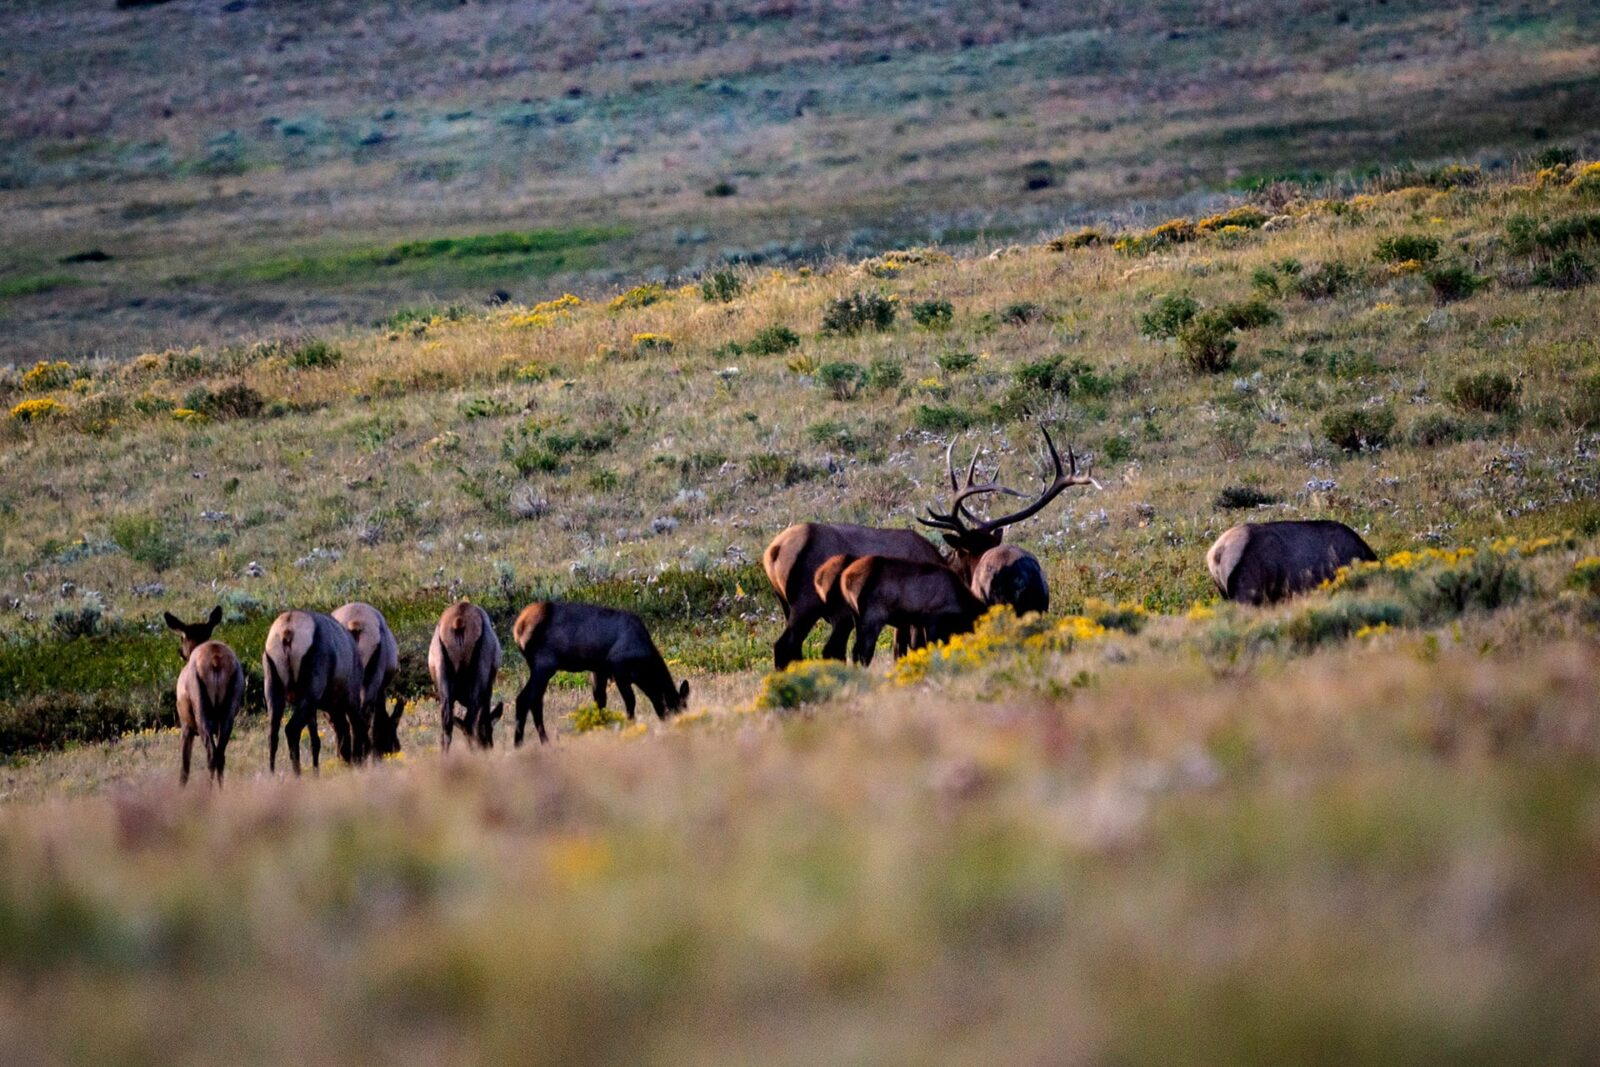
[1363, 825]
[764, 265]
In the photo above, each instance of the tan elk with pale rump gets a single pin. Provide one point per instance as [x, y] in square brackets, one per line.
[311, 663]
[464, 660]
[1264, 562]
[379, 656]
[210, 690]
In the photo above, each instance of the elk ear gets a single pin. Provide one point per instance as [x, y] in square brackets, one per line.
[499, 709]
[216, 615]
[173, 622]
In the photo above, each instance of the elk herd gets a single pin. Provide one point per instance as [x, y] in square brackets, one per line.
[859, 579]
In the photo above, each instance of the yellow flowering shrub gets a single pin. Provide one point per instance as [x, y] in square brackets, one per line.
[1585, 576]
[808, 682]
[44, 376]
[1586, 180]
[999, 634]
[38, 410]
[651, 342]
[890, 264]
[641, 296]
[188, 415]
[546, 313]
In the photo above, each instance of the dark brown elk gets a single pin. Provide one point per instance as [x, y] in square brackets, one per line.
[311, 663]
[998, 573]
[882, 591]
[834, 601]
[1264, 562]
[588, 638]
[210, 690]
[378, 730]
[464, 660]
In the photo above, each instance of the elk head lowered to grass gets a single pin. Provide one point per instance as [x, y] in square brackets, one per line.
[1264, 562]
[210, 690]
[464, 659]
[378, 731]
[999, 573]
[608, 642]
[311, 662]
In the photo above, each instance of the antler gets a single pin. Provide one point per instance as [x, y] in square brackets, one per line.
[1065, 477]
[951, 520]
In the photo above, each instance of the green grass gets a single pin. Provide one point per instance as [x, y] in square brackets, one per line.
[32, 285]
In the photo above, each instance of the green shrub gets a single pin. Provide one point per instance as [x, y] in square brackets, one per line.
[933, 314]
[885, 372]
[1585, 576]
[1328, 280]
[1555, 156]
[956, 362]
[1436, 428]
[1453, 282]
[1264, 280]
[1067, 376]
[1489, 391]
[773, 341]
[236, 401]
[1170, 314]
[145, 539]
[1115, 448]
[943, 418]
[1568, 270]
[1583, 405]
[808, 682]
[534, 458]
[1355, 429]
[46, 375]
[1086, 237]
[1020, 313]
[1206, 343]
[861, 310]
[1405, 247]
[1243, 496]
[1248, 315]
[1337, 621]
[1526, 234]
[841, 378]
[82, 619]
[314, 354]
[721, 286]
[1488, 581]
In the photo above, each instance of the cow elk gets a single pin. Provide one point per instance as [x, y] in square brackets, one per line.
[378, 730]
[464, 660]
[210, 690]
[930, 597]
[311, 663]
[1264, 562]
[607, 642]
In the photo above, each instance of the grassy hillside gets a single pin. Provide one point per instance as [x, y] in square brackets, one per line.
[261, 191]
[1361, 826]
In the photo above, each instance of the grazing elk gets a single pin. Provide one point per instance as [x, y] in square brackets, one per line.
[378, 731]
[464, 659]
[210, 690]
[312, 663]
[589, 638]
[998, 573]
[1264, 562]
[882, 591]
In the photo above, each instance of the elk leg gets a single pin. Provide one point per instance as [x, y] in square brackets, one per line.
[600, 690]
[341, 735]
[838, 642]
[625, 687]
[902, 640]
[188, 749]
[291, 736]
[447, 722]
[224, 731]
[790, 645]
[867, 641]
[276, 714]
[531, 701]
[316, 739]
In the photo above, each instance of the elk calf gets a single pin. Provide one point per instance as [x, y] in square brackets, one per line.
[378, 731]
[464, 660]
[312, 663]
[832, 596]
[1264, 562]
[904, 593]
[210, 690]
[589, 638]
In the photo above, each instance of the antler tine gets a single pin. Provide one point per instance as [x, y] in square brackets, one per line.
[972, 468]
[950, 465]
